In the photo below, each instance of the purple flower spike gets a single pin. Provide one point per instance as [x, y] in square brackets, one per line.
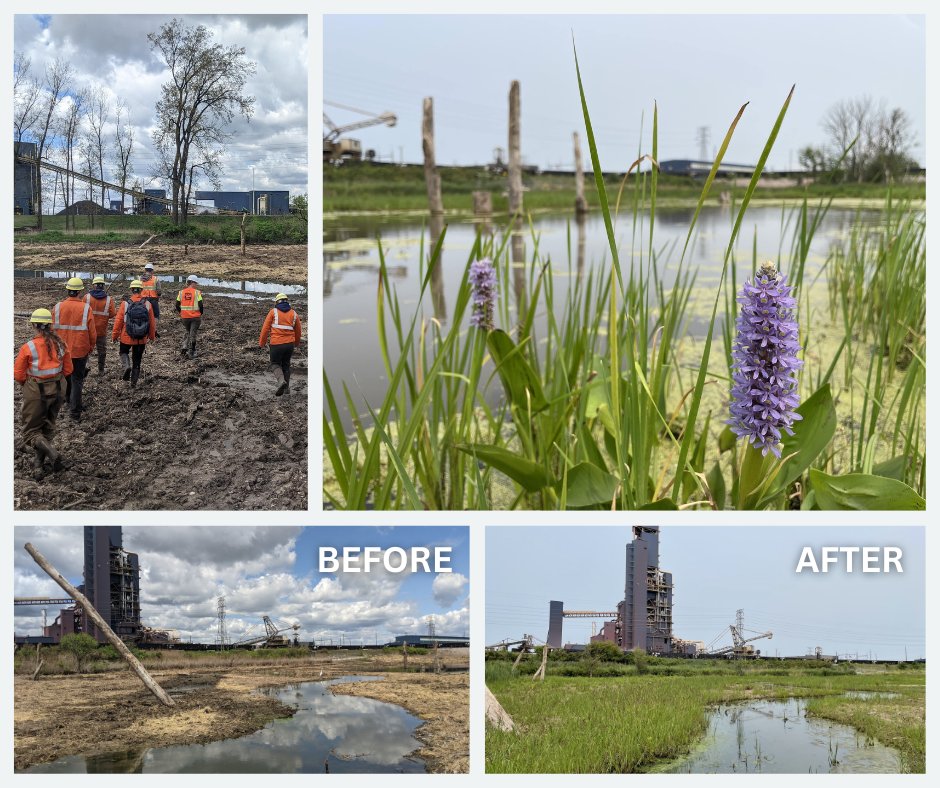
[483, 284]
[765, 391]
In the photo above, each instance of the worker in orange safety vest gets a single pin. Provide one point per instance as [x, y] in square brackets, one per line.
[282, 326]
[72, 321]
[41, 368]
[190, 306]
[103, 310]
[135, 326]
[151, 290]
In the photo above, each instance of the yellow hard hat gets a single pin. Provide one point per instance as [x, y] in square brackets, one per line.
[75, 284]
[280, 297]
[136, 284]
[41, 316]
[98, 280]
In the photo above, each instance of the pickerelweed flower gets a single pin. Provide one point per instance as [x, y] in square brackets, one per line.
[482, 278]
[765, 393]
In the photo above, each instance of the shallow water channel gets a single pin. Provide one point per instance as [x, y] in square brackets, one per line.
[341, 734]
[776, 737]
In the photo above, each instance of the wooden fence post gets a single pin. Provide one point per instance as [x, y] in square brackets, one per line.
[95, 616]
[580, 204]
[432, 182]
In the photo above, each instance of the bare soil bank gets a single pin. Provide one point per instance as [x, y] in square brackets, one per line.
[206, 433]
[94, 714]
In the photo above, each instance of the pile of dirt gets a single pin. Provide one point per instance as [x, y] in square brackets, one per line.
[206, 433]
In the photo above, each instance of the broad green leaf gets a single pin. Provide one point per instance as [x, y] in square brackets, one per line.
[810, 437]
[716, 485]
[530, 475]
[895, 468]
[521, 383]
[588, 486]
[727, 440]
[862, 491]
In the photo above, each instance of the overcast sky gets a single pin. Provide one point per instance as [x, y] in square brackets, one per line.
[700, 70]
[716, 570]
[113, 52]
[263, 571]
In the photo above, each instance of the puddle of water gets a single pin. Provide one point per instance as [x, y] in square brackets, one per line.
[342, 733]
[242, 285]
[776, 737]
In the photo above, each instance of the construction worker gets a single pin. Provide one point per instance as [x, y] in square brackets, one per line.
[72, 321]
[41, 368]
[135, 325]
[190, 306]
[103, 311]
[151, 289]
[283, 327]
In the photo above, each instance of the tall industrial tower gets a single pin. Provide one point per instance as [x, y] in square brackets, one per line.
[647, 603]
[112, 582]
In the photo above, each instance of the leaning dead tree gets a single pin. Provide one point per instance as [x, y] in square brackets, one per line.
[89, 610]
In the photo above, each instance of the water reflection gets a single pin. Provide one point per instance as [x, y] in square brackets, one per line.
[335, 733]
[776, 737]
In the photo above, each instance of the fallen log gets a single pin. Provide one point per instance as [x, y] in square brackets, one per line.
[496, 714]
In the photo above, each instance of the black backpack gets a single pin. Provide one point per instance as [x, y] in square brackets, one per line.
[137, 319]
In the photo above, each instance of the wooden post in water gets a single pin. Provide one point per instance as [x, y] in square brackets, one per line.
[432, 182]
[580, 204]
[404, 656]
[515, 195]
[89, 610]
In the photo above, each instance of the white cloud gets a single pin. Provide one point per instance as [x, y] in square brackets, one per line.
[448, 587]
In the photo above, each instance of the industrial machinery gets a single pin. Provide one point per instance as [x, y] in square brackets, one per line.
[336, 149]
[740, 648]
[273, 636]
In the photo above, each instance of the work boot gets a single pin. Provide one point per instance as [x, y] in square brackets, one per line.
[184, 350]
[100, 366]
[42, 444]
[279, 379]
[38, 461]
[192, 352]
[126, 364]
[135, 376]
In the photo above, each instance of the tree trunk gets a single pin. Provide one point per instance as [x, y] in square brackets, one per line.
[101, 624]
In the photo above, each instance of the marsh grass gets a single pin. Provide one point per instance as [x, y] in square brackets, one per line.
[597, 396]
[634, 723]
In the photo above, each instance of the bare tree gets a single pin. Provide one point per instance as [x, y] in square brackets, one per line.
[208, 165]
[123, 146]
[880, 139]
[26, 93]
[199, 102]
[57, 82]
[68, 134]
[99, 107]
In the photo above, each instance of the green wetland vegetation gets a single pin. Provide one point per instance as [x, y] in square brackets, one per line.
[613, 393]
[591, 716]
[201, 229]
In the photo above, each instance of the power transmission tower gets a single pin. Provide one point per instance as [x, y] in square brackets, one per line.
[220, 607]
[432, 635]
[703, 136]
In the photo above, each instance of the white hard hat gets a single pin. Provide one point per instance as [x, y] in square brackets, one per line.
[149, 265]
[192, 278]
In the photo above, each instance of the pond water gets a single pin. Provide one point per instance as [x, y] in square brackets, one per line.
[341, 734]
[351, 350]
[776, 737]
[242, 285]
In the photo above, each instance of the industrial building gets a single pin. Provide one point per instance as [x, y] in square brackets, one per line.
[643, 618]
[699, 168]
[426, 641]
[260, 203]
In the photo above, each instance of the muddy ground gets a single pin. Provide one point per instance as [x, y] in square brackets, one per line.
[112, 712]
[202, 434]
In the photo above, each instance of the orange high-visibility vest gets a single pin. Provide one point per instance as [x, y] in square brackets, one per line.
[282, 327]
[189, 299]
[102, 310]
[150, 287]
[35, 361]
[71, 319]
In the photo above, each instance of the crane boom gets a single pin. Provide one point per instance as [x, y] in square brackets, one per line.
[333, 147]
